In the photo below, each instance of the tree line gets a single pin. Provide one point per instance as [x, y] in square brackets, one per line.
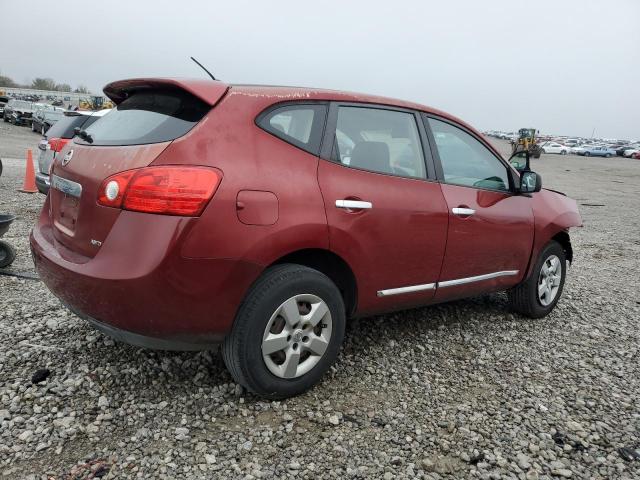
[42, 84]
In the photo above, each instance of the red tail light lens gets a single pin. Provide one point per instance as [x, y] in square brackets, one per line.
[58, 144]
[170, 190]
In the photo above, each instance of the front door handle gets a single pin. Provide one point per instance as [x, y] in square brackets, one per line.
[353, 204]
[463, 212]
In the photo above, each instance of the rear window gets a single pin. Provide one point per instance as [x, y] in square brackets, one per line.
[148, 117]
[64, 127]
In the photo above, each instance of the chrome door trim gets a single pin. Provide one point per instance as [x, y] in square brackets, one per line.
[462, 211]
[409, 289]
[66, 186]
[479, 278]
[354, 204]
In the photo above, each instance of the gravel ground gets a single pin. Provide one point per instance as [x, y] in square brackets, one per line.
[460, 390]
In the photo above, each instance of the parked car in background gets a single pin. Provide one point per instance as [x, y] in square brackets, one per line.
[636, 155]
[18, 112]
[580, 149]
[43, 119]
[163, 230]
[620, 150]
[630, 150]
[598, 151]
[572, 142]
[554, 147]
[57, 137]
[3, 102]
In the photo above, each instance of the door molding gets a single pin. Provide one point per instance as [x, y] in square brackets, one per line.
[446, 283]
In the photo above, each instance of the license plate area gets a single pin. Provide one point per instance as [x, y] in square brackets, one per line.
[67, 203]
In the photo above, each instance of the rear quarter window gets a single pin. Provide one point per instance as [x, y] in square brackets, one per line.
[300, 124]
[148, 117]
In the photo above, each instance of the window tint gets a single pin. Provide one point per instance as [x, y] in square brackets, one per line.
[148, 117]
[299, 124]
[384, 141]
[465, 161]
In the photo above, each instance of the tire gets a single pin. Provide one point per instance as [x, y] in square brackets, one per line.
[563, 152]
[263, 313]
[524, 298]
[608, 155]
[587, 154]
[7, 254]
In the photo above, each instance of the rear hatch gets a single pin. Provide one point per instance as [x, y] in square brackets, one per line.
[150, 114]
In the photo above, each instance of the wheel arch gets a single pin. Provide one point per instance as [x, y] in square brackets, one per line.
[564, 240]
[333, 266]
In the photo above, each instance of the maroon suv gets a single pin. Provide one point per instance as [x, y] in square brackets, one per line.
[198, 213]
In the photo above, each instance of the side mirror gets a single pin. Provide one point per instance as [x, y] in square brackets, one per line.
[520, 161]
[530, 182]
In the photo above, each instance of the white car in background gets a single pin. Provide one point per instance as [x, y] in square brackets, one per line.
[580, 149]
[631, 150]
[554, 147]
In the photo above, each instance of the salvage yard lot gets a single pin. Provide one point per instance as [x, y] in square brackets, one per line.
[464, 389]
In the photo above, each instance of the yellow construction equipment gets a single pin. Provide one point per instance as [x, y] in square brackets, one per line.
[527, 142]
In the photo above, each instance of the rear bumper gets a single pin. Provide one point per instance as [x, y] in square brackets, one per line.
[42, 182]
[146, 295]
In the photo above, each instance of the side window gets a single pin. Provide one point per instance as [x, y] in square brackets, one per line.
[384, 141]
[298, 124]
[465, 161]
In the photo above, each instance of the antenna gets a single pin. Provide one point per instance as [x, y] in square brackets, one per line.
[202, 67]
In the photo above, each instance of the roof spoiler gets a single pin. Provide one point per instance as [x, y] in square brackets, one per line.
[208, 91]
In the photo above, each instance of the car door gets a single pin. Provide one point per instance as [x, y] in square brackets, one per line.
[386, 214]
[490, 232]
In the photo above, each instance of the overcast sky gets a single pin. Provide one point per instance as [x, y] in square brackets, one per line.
[563, 66]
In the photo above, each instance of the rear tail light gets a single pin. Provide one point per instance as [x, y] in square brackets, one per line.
[58, 144]
[170, 190]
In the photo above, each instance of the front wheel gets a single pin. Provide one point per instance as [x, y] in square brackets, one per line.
[608, 155]
[538, 295]
[287, 333]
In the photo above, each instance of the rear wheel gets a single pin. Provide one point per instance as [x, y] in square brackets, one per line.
[538, 295]
[287, 332]
[587, 154]
[7, 254]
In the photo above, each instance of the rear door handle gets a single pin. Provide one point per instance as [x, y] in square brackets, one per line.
[353, 204]
[463, 212]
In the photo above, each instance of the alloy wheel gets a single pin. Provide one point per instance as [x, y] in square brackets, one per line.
[549, 280]
[296, 336]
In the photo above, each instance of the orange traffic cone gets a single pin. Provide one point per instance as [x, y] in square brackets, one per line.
[29, 184]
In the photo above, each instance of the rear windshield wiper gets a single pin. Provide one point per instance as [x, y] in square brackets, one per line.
[83, 134]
